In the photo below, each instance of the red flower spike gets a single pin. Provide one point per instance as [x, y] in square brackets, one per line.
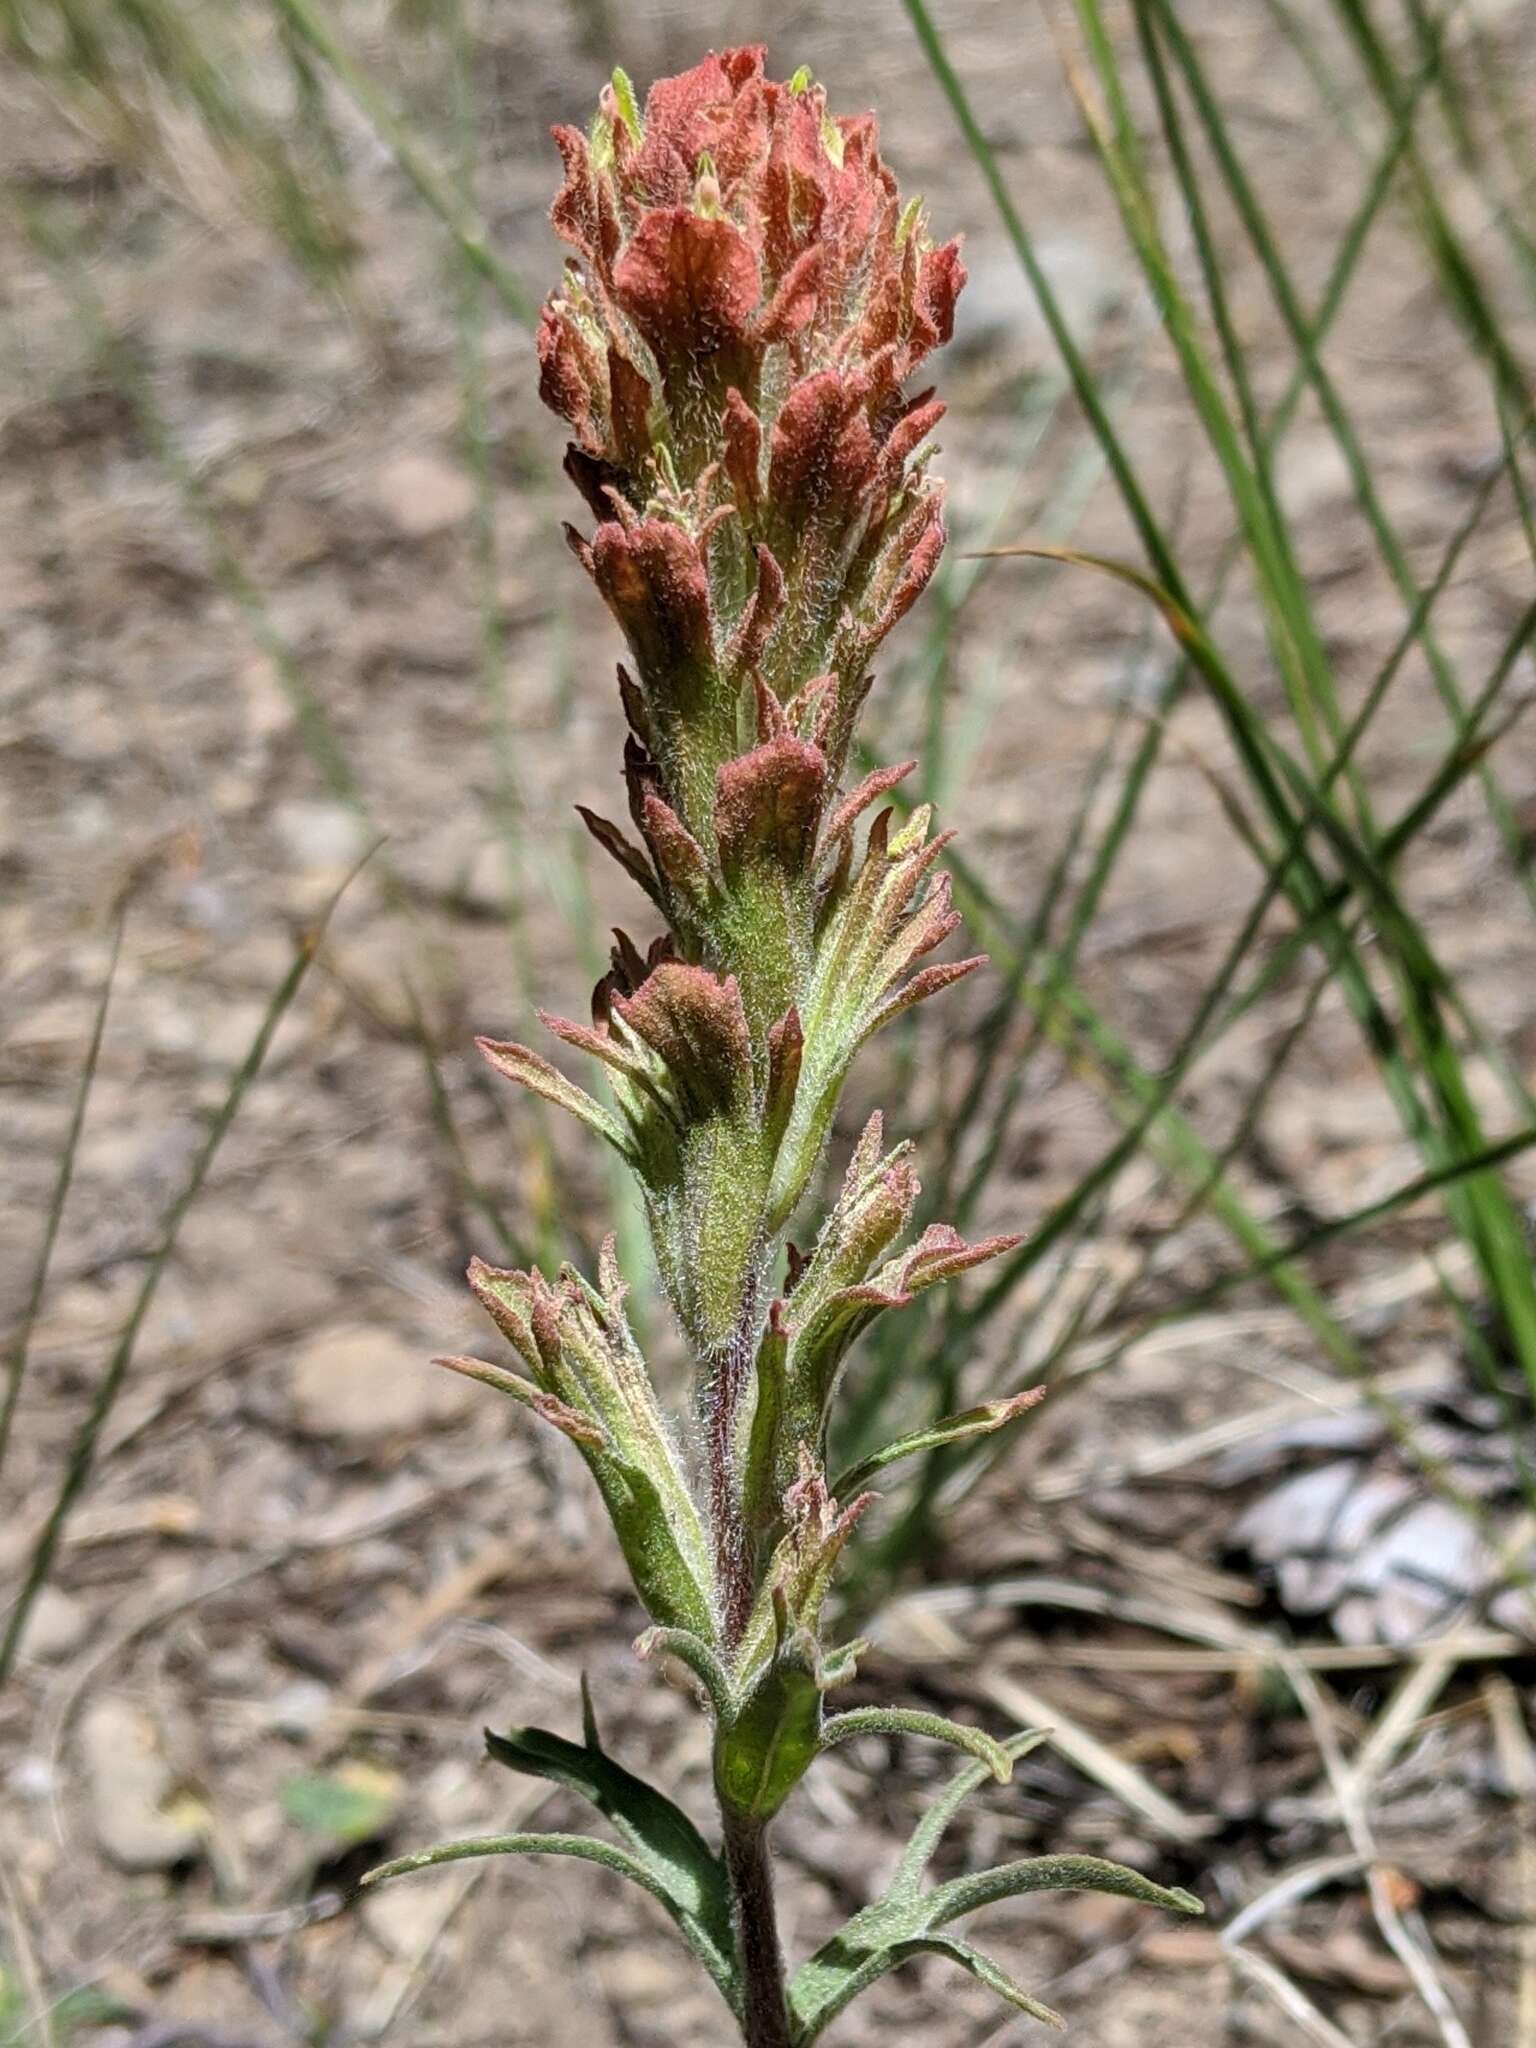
[747, 276]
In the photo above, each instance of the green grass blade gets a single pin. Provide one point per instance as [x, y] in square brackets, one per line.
[472, 1192]
[16, 1356]
[1330, 400]
[511, 808]
[1293, 634]
[1455, 273]
[1341, 272]
[1350, 1224]
[1457, 109]
[1460, 277]
[433, 187]
[1417, 1060]
[1085, 385]
[315, 729]
[82, 1457]
[1079, 1029]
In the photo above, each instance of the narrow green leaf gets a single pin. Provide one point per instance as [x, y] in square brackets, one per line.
[929, 1832]
[657, 1830]
[980, 1966]
[1052, 1874]
[587, 1847]
[909, 1721]
[700, 1659]
[953, 1429]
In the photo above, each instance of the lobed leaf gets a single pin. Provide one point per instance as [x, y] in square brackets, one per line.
[518, 1063]
[905, 1922]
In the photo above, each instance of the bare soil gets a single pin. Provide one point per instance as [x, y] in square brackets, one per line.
[302, 1563]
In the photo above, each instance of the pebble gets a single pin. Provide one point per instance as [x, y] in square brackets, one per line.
[319, 836]
[142, 1820]
[357, 1385]
[299, 1709]
[633, 1978]
[420, 495]
[998, 314]
[33, 1777]
[404, 1918]
[57, 1625]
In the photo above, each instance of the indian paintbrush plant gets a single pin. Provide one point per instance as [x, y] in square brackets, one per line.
[732, 344]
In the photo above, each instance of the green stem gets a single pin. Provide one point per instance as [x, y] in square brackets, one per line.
[764, 2005]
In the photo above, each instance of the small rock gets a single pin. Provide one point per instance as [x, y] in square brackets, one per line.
[32, 1777]
[267, 707]
[404, 1918]
[488, 886]
[357, 1384]
[1313, 474]
[141, 1818]
[634, 1977]
[299, 1709]
[998, 313]
[420, 494]
[57, 1624]
[317, 835]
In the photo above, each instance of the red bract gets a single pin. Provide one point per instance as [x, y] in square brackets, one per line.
[730, 345]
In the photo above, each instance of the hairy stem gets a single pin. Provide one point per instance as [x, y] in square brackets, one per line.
[765, 2009]
[723, 1391]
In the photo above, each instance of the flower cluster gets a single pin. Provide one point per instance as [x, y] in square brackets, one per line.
[733, 346]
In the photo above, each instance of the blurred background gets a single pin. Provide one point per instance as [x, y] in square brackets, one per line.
[1252, 311]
